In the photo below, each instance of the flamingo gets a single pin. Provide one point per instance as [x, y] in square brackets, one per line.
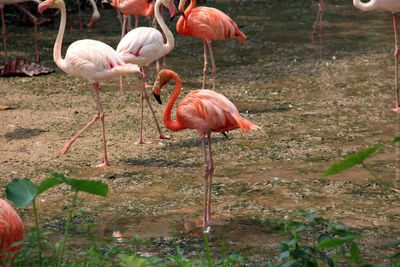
[208, 24]
[392, 6]
[95, 15]
[142, 46]
[318, 21]
[205, 111]
[90, 59]
[11, 230]
[4, 30]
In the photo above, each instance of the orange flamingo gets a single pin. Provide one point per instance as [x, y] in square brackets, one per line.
[208, 24]
[11, 231]
[4, 31]
[205, 111]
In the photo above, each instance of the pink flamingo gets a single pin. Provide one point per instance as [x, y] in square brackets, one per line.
[208, 24]
[205, 111]
[11, 230]
[137, 8]
[90, 59]
[392, 6]
[144, 45]
[318, 21]
[4, 31]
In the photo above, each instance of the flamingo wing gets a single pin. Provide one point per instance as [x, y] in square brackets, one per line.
[141, 46]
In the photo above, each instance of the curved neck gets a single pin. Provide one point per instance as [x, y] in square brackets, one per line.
[57, 46]
[173, 125]
[371, 5]
[168, 34]
[190, 7]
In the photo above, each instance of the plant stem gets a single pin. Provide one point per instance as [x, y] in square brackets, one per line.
[39, 236]
[380, 181]
[63, 241]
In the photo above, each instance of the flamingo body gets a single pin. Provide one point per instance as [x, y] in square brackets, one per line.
[205, 111]
[89, 59]
[208, 24]
[11, 229]
[134, 7]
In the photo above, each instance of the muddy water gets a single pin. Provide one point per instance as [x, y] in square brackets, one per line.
[317, 102]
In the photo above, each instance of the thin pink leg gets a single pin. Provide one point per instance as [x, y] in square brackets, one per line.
[136, 21]
[318, 20]
[142, 96]
[4, 32]
[396, 63]
[35, 21]
[214, 68]
[99, 115]
[124, 26]
[211, 171]
[206, 175]
[80, 15]
[205, 69]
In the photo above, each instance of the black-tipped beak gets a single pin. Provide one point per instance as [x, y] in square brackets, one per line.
[182, 13]
[157, 97]
[172, 18]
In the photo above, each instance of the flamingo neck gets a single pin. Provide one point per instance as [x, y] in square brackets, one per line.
[57, 45]
[169, 45]
[173, 125]
[369, 6]
[190, 7]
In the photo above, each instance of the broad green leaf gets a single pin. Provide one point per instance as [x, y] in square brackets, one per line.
[334, 242]
[47, 184]
[88, 186]
[132, 261]
[351, 160]
[21, 192]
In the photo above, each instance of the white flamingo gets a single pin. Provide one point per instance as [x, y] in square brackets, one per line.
[144, 45]
[392, 6]
[90, 59]
[4, 30]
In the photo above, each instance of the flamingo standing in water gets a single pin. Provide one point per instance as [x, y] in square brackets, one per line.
[90, 59]
[11, 230]
[208, 24]
[205, 111]
[318, 21]
[4, 30]
[392, 6]
[144, 45]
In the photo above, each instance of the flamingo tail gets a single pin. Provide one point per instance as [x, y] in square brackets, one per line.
[240, 35]
[246, 125]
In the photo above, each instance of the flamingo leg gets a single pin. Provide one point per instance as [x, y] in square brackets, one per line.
[99, 115]
[35, 21]
[211, 171]
[318, 21]
[205, 69]
[129, 27]
[214, 69]
[136, 21]
[142, 97]
[4, 32]
[206, 175]
[396, 63]
[80, 15]
[124, 26]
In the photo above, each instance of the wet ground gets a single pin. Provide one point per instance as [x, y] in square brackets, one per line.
[317, 102]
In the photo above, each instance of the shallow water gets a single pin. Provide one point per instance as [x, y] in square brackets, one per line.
[317, 102]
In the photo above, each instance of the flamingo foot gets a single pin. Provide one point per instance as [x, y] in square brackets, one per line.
[141, 142]
[65, 149]
[165, 136]
[90, 24]
[104, 164]
[207, 230]
[395, 109]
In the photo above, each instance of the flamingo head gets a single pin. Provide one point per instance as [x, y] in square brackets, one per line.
[50, 4]
[163, 77]
[181, 6]
[171, 6]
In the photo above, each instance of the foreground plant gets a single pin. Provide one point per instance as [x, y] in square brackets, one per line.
[22, 192]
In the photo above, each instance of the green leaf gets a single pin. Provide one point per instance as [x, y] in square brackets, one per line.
[88, 186]
[132, 261]
[352, 160]
[395, 140]
[355, 252]
[47, 184]
[334, 242]
[21, 192]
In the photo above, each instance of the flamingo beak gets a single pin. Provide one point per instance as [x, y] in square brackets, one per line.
[172, 10]
[157, 89]
[157, 97]
[44, 5]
